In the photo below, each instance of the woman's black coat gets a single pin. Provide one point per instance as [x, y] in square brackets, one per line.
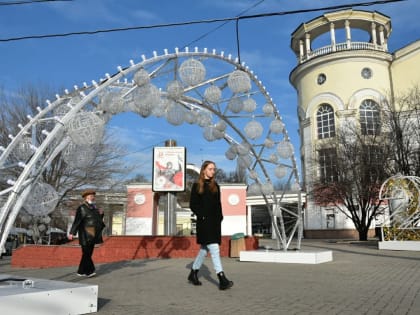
[89, 224]
[208, 209]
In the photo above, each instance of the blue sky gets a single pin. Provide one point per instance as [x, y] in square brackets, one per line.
[63, 62]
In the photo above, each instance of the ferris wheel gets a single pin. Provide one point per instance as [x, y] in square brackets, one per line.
[204, 88]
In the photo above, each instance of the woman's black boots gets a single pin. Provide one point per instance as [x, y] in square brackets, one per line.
[224, 283]
[193, 277]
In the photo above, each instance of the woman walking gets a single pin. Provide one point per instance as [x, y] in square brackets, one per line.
[206, 205]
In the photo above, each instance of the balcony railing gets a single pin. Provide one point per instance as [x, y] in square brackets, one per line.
[341, 47]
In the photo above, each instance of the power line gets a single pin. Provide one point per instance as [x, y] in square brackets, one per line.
[345, 6]
[29, 2]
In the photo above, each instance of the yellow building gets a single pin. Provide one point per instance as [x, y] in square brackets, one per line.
[344, 73]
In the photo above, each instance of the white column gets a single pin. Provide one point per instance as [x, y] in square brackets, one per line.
[373, 33]
[332, 35]
[348, 34]
[308, 44]
[301, 52]
[249, 220]
[382, 38]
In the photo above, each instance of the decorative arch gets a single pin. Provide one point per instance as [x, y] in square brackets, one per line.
[205, 88]
[328, 98]
[357, 98]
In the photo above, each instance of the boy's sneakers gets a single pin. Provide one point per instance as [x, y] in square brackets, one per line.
[91, 275]
[80, 275]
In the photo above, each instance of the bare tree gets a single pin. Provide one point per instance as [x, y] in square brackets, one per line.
[352, 169]
[402, 116]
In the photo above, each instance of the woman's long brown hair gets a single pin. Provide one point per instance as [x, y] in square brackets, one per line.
[201, 179]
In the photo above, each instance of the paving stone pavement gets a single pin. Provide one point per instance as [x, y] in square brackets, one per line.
[361, 279]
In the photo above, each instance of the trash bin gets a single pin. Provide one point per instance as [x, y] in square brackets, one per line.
[237, 244]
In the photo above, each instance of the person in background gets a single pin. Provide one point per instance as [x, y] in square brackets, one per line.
[88, 224]
[206, 205]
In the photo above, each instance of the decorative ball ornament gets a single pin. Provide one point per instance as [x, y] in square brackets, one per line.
[268, 109]
[85, 128]
[23, 150]
[233, 199]
[175, 89]
[160, 108]
[212, 94]
[111, 102]
[273, 158]
[285, 149]
[190, 116]
[230, 154]
[79, 156]
[249, 105]
[254, 189]
[192, 72]
[276, 126]
[239, 82]
[280, 171]
[141, 77]
[175, 114]
[235, 105]
[204, 118]
[41, 200]
[221, 125]
[145, 98]
[63, 108]
[267, 188]
[268, 142]
[208, 133]
[253, 129]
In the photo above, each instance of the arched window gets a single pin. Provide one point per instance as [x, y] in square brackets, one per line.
[325, 121]
[370, 120]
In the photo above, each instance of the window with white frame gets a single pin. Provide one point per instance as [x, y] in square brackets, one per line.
[325, 121]
[370, 120]
[327, 165]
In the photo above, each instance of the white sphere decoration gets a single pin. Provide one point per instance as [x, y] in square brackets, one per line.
[79, 156]
[212, 94]
[268, 109]
[160, 108]
[62, 109]
[235, 105]
[190, 116]
[239, 81]
[267, 188]
[141, 77]
[221, 125]
[285, 149]
[254, 189]
[253, 174]
[204, 118]
[249, 105]
[231, 153]
[46, 220]
[85, 128]
[268, 142]
[218, 134]
[145, 98]
[41, 227]
[273, 158]
[192, 72]
[253, 129]
[41, 200]
[208, 133]
[111, 102]
[243, 148]
[174, 89]
[175, 114]
[23, 150]
[280, 171]
[276, 126]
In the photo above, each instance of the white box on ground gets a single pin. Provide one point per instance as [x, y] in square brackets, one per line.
[292, 257]
[45, 297]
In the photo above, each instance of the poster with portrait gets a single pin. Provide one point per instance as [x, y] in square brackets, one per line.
[169, 169]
